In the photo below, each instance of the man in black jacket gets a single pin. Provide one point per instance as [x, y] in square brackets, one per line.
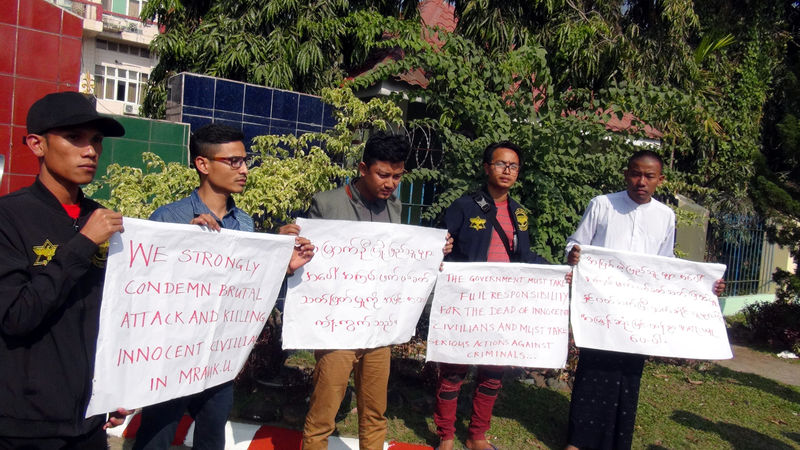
[487, 225]
[54, 243]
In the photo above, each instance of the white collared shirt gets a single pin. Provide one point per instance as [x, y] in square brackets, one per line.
[615, 221]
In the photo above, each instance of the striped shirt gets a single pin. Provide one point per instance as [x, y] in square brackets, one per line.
[497, 251]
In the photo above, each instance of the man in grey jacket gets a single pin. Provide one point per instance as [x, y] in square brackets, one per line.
[369, 197]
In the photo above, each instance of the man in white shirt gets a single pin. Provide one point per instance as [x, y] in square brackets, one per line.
[606, 391]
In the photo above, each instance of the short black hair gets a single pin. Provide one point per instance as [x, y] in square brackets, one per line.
[388, 147]
[489, 151]
[641, 154]
[205, 137]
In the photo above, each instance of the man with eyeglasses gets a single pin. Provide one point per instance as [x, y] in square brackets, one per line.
[487, 225]
[221, 161]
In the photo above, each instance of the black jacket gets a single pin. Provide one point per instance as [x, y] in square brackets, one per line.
[51, 281]
[471, 230]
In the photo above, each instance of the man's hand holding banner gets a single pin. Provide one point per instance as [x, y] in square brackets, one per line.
[366, 286]
[647, 304]
[181, 310]
[500, 314]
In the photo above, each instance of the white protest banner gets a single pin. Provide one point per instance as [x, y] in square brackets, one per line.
[182, 308]
[647, 304]
[366, 286]
[500, 314]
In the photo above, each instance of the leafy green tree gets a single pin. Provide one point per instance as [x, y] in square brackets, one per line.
[477, 95]
[589, 43]
[715, 66]
[288, 44]
[776, 190]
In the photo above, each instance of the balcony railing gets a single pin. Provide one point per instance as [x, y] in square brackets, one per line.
[118, 24]
[112, 21]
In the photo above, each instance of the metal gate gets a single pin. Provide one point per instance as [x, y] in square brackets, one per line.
[741, 244]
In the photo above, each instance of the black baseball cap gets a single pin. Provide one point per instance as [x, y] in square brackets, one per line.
[69, 109]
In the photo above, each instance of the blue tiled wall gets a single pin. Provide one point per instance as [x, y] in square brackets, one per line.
[256, 110]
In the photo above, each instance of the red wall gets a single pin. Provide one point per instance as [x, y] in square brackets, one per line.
[40, 53]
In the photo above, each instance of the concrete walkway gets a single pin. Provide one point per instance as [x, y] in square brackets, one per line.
[244, 436]
[765, 365]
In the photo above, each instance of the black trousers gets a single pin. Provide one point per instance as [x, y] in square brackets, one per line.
[93, 440]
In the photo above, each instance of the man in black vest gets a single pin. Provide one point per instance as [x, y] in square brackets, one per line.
[54, 243]
[487, 225]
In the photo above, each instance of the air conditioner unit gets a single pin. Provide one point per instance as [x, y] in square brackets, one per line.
[131, 109]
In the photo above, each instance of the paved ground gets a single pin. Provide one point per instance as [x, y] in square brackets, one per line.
[765, 365]
[244, 436]
[118, 443]
[744, 360]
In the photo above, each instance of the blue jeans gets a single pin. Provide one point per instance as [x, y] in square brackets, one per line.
[209, 409]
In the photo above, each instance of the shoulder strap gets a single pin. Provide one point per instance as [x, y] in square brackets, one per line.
[483, 204]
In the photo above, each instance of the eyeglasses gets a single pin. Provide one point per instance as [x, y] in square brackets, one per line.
[234, 161]
[501, 166]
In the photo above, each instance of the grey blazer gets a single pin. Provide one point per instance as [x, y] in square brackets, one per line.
[343, 204]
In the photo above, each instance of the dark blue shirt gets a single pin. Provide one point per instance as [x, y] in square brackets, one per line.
[184, 210]
[472, 231]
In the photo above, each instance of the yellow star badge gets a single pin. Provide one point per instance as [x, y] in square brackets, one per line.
[477, 223]
[44, 253]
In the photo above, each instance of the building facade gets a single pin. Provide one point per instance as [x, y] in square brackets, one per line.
[116, 59]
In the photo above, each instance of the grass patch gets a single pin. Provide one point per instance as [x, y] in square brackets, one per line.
[679, 407]
[301, 359]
